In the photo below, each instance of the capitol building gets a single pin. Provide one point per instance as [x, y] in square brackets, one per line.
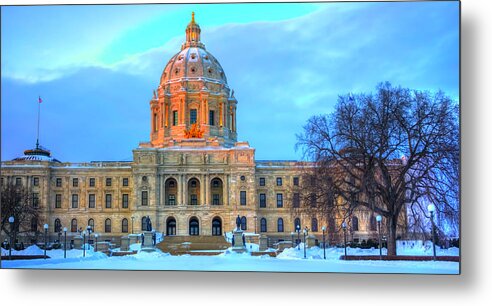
[192, 178]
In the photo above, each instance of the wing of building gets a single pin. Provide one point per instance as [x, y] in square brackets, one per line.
[193, 177]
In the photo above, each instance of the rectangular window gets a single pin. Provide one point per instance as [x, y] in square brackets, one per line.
[175, 118]
[242, 198]
[58, 199]
[145, 198]
[18, 181]
[215, 199]
[194, 199]
[108, 181]
[75, 200]
[58, 182]
[92, 182]
[171, 200]
[279, 181]
[109, 199]
[312, 200]
[35, 200]
[35, 181]
[124, 200]
[296, 181]
[192, 116]
[211, 117]
[75, 182]
[262, 200]
[2, 181]
[280, 200]
[296, 200]
[92, 200]
[262, 181]
[125, 182]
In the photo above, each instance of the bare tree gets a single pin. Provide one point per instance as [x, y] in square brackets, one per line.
[387, 151]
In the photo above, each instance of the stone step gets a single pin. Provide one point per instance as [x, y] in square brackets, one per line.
[179, 244]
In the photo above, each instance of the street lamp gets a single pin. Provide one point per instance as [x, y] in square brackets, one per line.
[65, 243]
[89, 230]
[95, 247]
[11, 221]
[344, 227]
[45, 239]
[83, 233]
[255, 223]
[305, 232]
[132, 223]
[378, 219]
[292, 238]
[324, 246]
[298, 229]
[432, 208]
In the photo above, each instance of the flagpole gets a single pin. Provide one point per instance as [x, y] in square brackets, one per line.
[39, 110]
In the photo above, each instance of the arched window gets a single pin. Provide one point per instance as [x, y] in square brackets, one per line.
[171, 226]
[373, 223]
[194, 192]
[107, 226]
[263, 225]
[171, 191]
[124, 225]
[144, 223]
[90, 223]
[314, 224]
[73, 226]
[297, 224]
[355, 223]
[216, 227]
[244, 224]
[194, 227]
[216, 191]
[58, 225]
[34, 225]
[280, 225]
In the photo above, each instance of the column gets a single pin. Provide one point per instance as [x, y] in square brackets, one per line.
[207, 189]
[202, 189]
[225, 192]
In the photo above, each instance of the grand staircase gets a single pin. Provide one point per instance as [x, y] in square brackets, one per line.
[194, 245]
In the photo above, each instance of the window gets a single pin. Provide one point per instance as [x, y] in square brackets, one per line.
[75, 182]
[314, 224]
[243, 178]
[171, 199]
[92, 200]
[194, 227]
[108, 181]
[125, 182]
[194, 199]
[372, 223]
[58, 199]
[18, 181]
[192, 116]
[175, 118]
[262, 200]
[73, 226]
[263, 225]
[296, 200]
[35, 200]
[262, 181]
[144, 223]
[34, 225]
[215, 183]
[211, 117]
[35, 181]
[107, 226]
[124, 200]
[92, 182]
[58, 182]
[58, 225]
[90, 223]
[215, 199]
[280, 200]
[155, 122]
[244, 224]
[124, 225]
[355, 223]
[297, 224]
[296, 181]
[108, 200]
[312, 200]
[171, 183]
[279, 181]
[75, 200]
[331, 225]
[242, 197]
[216, 227]
[280, 225]
[145, 198]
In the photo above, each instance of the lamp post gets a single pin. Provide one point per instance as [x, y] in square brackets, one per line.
[292, 238]
[432, 208]
[11, 221]
[255, 223]
[305, 232]
[378, 219]
[95, 246]
[324, 246]
[65, 243]
[344, 227]
[45, 239]
[89, 230]
[132, 223]
[83, 233]
[298, 229]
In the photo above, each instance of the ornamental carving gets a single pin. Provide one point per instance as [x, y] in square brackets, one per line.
[194, 132]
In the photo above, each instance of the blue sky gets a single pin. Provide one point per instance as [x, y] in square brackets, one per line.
[96, 67]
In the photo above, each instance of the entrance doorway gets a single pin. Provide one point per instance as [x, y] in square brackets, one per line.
[171, 226]
[216, 227]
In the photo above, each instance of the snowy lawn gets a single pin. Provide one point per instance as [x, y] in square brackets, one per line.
[290, 260]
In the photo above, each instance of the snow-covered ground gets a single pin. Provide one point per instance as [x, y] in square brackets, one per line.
[290, 260]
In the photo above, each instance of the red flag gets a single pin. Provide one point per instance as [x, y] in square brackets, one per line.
[40, 100]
